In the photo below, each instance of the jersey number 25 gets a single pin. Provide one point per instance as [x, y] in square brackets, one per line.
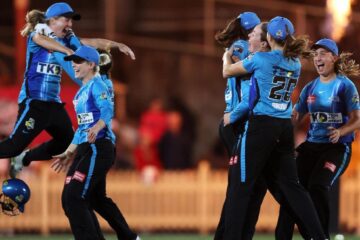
[282, 83]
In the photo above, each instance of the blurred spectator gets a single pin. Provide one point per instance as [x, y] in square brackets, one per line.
[188, 122]
[218, 155]
[185, 120]
[152, 127]
[8, 113]
[127, 137]
[176, 145]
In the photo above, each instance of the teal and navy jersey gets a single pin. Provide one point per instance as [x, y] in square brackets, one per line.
[74, 43]
[328, 105]
[92, 102]
[276, 77]
[110, 87]
[241, 110]
[43, 73]
[231, 92]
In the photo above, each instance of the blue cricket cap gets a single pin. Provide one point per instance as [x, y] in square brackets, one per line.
[328, 44]
[61, 9]
[238, 48]
[280, 27]
[248, 20]
[86, 53]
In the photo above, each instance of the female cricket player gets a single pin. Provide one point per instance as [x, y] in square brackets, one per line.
[92, 151]
[42, 84]
[270, 129]
[257, 42]
[332, 102]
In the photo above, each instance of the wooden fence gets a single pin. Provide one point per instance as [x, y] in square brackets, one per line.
[186, 200]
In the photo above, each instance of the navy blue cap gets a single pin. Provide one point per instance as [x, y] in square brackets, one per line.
[328, 44]
[248, 20]
[61, 9]
[280, 27]
[86, 53]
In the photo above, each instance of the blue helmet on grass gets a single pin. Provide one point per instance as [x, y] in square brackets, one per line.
[15, 193]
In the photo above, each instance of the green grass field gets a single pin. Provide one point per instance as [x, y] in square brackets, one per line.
[151, 237]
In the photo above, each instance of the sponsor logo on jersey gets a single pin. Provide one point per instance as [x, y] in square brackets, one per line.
[30, 124]
[85, 118]
[324, 117]
[49, 69]
[103, 95]
[355, 99]
[231, 161]
[250, 56]
[228, 95]
[311, 99]
[330, 166]
[67, 180]
[280, 106]
[79, 176]
[75, 102]
[334, 99]
[235, 159]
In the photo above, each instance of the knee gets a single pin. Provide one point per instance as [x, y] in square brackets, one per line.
[64, 204]
[12, 147]
[318, 187]
[317, 190]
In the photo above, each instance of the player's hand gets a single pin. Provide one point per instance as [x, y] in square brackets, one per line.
[334, 134]
[228, 53]
[69, 33]
[226, 119]
[294, 117]
[69, 51]
[92, 134]
[44, 29]
[62, 161]
[126, 50]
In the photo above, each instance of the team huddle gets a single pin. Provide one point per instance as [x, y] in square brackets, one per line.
[262, 67]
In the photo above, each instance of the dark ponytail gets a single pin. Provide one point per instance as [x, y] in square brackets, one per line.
[233, 31]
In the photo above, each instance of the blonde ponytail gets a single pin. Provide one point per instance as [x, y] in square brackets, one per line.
[32, 18]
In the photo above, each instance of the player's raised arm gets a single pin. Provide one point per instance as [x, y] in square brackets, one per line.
[105, 44]
[51, 44]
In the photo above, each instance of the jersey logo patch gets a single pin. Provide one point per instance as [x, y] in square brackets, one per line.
[30, 124]
[228, 95]
[85, 118]
[324, 117]
[311, 99]
[49, 69]
[67, 180]
[103, 95]
[79, 176]
[355, 99]
[334, 99]
[280, 106]
[330, 166]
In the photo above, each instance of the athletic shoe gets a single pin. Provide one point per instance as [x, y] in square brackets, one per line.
[138, 238]
[16, 164]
